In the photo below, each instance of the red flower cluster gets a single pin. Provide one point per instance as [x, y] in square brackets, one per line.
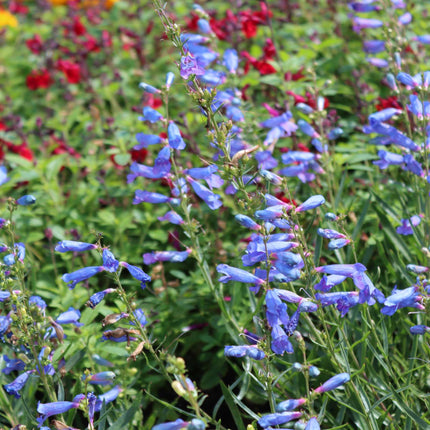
[39, 79]
[389, 102]
[71, 70]
[23, 150]
[262, 64]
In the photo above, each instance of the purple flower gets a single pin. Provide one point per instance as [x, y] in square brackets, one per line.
[328, 282]
[417, 269]
[231, 60]
[101, 378]
[170, 77]
[343, 300]
[145, 140]
[248, 222]
[137, 273]
[330, 234]
[238, 275]
[405, 19]
[174, 137]
[338, 243]
[172, 217]
[173, 425]
[360, 23]
[149, 88]
[12, 365]
[149, 197]
[407, 225]
[333, 383]
[373, 46]
[409, 297]
[211, 199]
[280, 342]
[71, 245]
[313, 424]
[5, 321]
[81, 275]
[408, 80]
[92, 399]
[419, 329]
[348, 270]
[189, 67]
[278, 418]
[17, 385]
[307, 129]
[378, 62]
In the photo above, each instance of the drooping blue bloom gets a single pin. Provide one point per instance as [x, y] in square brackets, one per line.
[92, 399]
[335, 133]
[425, 39]
[70, 317]
[107, 397]
[174, 137]
[149, 88]
[172, 217]
[96, 298]
[81, 275]
[289, 405]
[173, 425]
[280, 342]
[17, 385]
[213, 77]
[343, 300]
[26, 200]
[3, 175]
[187, 38]
[417, 269]
[211, 199]
[4, 295]
[137, 273]
[408, 80]
[405, 19]
[278, 419]
[140, 316]
[110, 263]
[150, 115]
[47, 410]
[307, 129]
[102, 361]
[378, 62]
[333, 383]
[244, 350]
[173, 256]
[5, 321]
[247, 222]
[9, 259]
[313, 424]
[265, 160]
[101, 378]
[311, 203]
[303, 107]
[328, 282]
[388, 159]
[238, 275]
[373, 46]
[314, 371]
[360, 23]
[149, 197]
[363, 6]
[231, 60]
[328, 233]
[170, 77]
[409, 297]
[338, 243]
[71, 245]
[145, 140]
[12, 365]
[348, 270]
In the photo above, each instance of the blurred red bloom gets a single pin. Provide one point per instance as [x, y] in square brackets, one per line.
[38, 79]
[35, 44]
[389, 102]
[71, 70]
[23, 150]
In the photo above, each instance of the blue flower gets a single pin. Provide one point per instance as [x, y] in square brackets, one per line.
[211, 199]
[190, 66]
[311, 203]
[174, 256]
[137, 273]
[172, 217]
[101, 378]
[235, 274]
[409, 297]
[278, 418]
[150, 115]
[244, 350]
[96, 298]
[333, 383]
[174, 137]
[343, 300]
[70, 317]
[110, 263]
[71, 245]
[107, 397]
[47, 410]
[170, 77]
[18, 384]
[12, 365]
[149, 88]
[173, 425]
[289, 405]
[231, 60]
[145, 140]
[81, 275]
[313, 424]
[26, 200]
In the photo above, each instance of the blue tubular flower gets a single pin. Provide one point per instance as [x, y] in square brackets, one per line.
[96, 298]
[110, 263]
[140, 316]
[173, 256]
[150, 115]
[18, 384]
[314, 371]
[92, 399]
[170, 77]
[196, 424]
[405, 19]
[247, 222]
[4, 295]
[38, 302]
[417, 269]
[338, 243]
[238, 275]
[307, 128]
[70, 317]
[137, 273]
[360, 23]
[145, 140]
[419, 329]
[81, 275]
[378, 62]
[26, 200]
[333, 383]
[172, 217]
[5, 321]
[47, 410]
[71, 245]
[344, 301]
[368, 292]
[328, 282]
[388, 159]
[265, 160]
[174, 137]
[211, 199]
[3, 175]
[149, 197]
[149, 88]
[231, 60]
[280, 342]
[289, 405]
[409, 297]
[101, 378]
[12, 365]
[102, 361]
[278, 418]
[348, 270]
[107, 397]
[311, 203]
[330, 234]
[373, 46]
[173, 425]
[244, 350]
[408, 80]
[9, 259]
[416, 107]
[313, 424]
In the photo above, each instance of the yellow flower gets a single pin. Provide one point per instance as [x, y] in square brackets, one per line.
[86, 3]
[6, 18]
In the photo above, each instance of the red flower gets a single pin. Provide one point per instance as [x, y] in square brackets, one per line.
[138, 155]
[71, 70]
[106, 39]
[249, 28]
[3, 126]
[192, 23]
[389, 102]
[91, 44]
[17, 7]
[77, 26]
[38, 79]
[23, 150]
[264, 67]
[269, 50]
[35, 45]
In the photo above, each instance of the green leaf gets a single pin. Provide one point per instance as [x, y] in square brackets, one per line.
[230, 400]
[125, 420]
